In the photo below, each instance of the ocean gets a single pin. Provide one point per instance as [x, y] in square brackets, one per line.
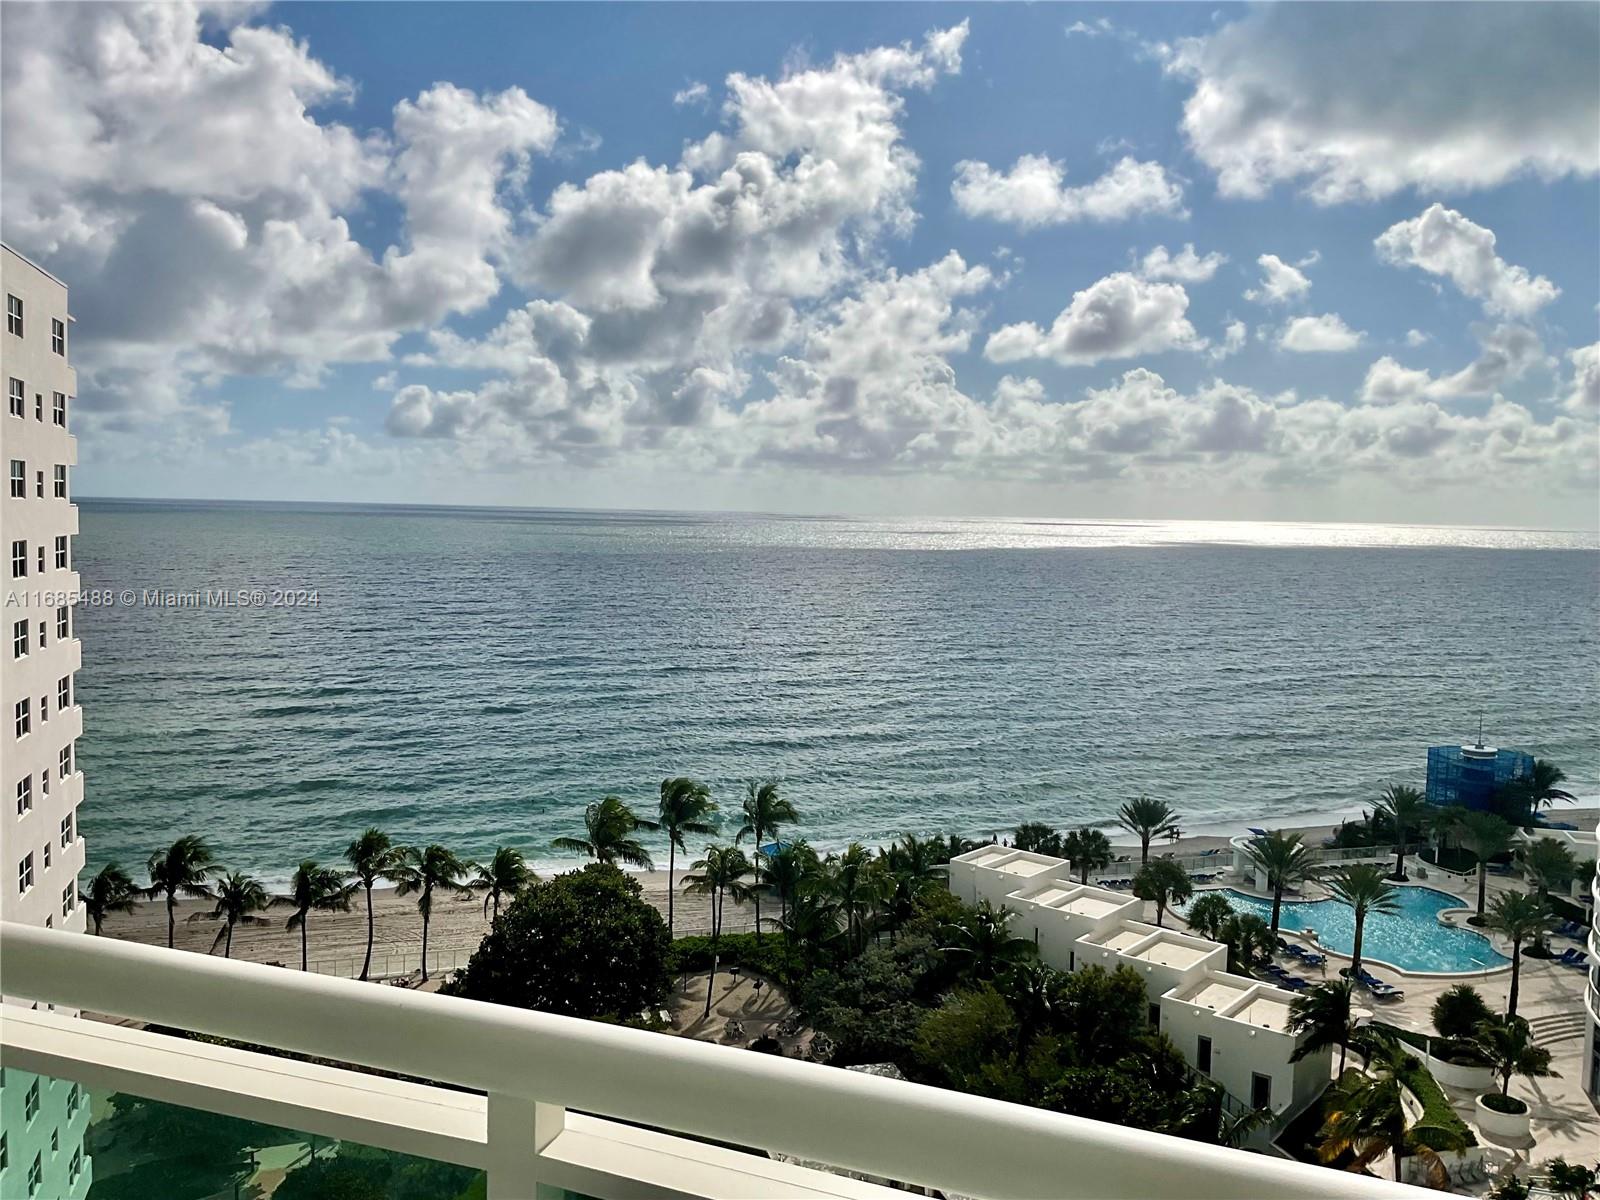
[476, 676]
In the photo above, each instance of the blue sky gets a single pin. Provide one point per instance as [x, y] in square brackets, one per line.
[562, 255]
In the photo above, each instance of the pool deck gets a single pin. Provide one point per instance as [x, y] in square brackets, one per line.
[1565, 1121]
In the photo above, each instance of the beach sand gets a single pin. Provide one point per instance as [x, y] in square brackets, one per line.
[337, 940]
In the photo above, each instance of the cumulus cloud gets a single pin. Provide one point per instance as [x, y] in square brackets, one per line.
[695, 94]
[1185, 266]
[1415, 338]
[1507, 353]
[1115, 317]
[1233, 340]
[1443, 242]
[1583, 399]
[1034, 193]
[190, 166]
[1491, 92]
[1319, 335]
[1280, 283]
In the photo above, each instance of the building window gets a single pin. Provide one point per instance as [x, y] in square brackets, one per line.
[62, 623]
[69, 899]
[24, 795]
[55, 1142]
[17, 398]
[35, 1173]
[44, 708]
[5, 1153]
[24, 875]
[74, 1096]
[75, 1167]
[58, 411]
[38, 406]
[69, 833]
[65, 763]
[44, 782]
[61, 552]
[13, 314]
[19, 559]
[61, 482]
[58, 336]
[19, 479]
[19, 639]
[44, 631]
[1202, 1056]
[38, 485]
[1155, 1016]
[64, 693]
[23, 718]
[47, 856]
[41, 558]
[1260, 1090]
[30, 1102]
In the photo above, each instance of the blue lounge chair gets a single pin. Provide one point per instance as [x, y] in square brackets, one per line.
[1566, 955]
[1579, 960]
[1313, 960]
[1295, 984]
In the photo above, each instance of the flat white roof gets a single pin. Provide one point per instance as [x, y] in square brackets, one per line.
[1269, 1009]
[1023, 867]
[1122, 938]
[982, 858]
[1215, 993]
[1169, 952]
[1050, 895]
[1086, 904]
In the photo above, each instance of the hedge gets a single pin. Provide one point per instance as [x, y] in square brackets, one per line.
[771, 957]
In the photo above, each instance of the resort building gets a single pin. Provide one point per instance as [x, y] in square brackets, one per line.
[1591, 998]
[1229, 1027]
[1469, 775]
[41, 1120]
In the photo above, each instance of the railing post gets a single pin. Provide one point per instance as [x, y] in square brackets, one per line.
[519, 1129]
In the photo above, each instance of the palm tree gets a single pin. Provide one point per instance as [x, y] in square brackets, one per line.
[314, 887]
[1537, 787]
[239, 898]
[719, 873]
[685, 805]
[1520, 918]
[1287, 861]
[610, 825]
[1088, 850]
[853, 886]
[420, 870]
[1326, 1014]
[786, 872]
[1547, 864]
[184, 866]
[812, 921]
[1363, 887]
[765, 812]
[980, 946]
[111, 890]
[1147, 819]
[1405, 808]
[917, 858]
[1367, 1118]
[370, 856]
[1165, 882]
[1507, 1044]
[1030, 989]
[1249, 939]
[1484, 836]
[505, 874]
[1208, 914]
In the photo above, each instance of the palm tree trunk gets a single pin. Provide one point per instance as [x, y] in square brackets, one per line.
[716, 932]
[1400, 859]
[366, 963]
[1344, 1045]
[427, 912]
[1355, 950]
[1144, 850]
[755, 874]
[1483, 883]
[227, 946]
[303, 918]
[1277, 906]
[172, 920]
[1516, 970]
[97, 921]
[672, 862]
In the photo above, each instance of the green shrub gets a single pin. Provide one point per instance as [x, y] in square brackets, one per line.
[771, 957]
[1436, 1109]
[1458, 1011]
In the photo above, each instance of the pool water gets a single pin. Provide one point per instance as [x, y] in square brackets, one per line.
[1412, 939]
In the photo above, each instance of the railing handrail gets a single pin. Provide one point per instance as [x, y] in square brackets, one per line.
[857, 1121]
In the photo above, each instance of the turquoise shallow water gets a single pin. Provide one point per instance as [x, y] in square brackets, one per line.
[1412, 939]
[477, 676]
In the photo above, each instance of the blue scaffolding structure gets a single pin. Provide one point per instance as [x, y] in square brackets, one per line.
[1469, 775]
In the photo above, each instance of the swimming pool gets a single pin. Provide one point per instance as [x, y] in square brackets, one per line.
[1412, 939]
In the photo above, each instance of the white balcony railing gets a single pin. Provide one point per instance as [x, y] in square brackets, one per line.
[561, 1101]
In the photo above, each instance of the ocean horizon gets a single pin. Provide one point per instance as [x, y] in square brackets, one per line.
[476, 675]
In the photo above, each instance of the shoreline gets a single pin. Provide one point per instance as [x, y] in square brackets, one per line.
[459, 924]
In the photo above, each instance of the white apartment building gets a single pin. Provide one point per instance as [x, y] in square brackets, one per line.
[1229, 1027]
[41, 855]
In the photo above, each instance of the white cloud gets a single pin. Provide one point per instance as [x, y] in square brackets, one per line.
[1319, 335]
[1280, 282]
[1233, 340]
[1443, 242]
[1099, 28]
[695, 94]
[190, 166]
[1415, 338]
[1185, 266]
[1033, 192]
[1115, 317]
[1301, 93]
[1508, 352]
[1584, 397]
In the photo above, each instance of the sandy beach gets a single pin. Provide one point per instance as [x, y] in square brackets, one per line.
[338, 939]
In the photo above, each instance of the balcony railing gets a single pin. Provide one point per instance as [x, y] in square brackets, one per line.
[598, 1109]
